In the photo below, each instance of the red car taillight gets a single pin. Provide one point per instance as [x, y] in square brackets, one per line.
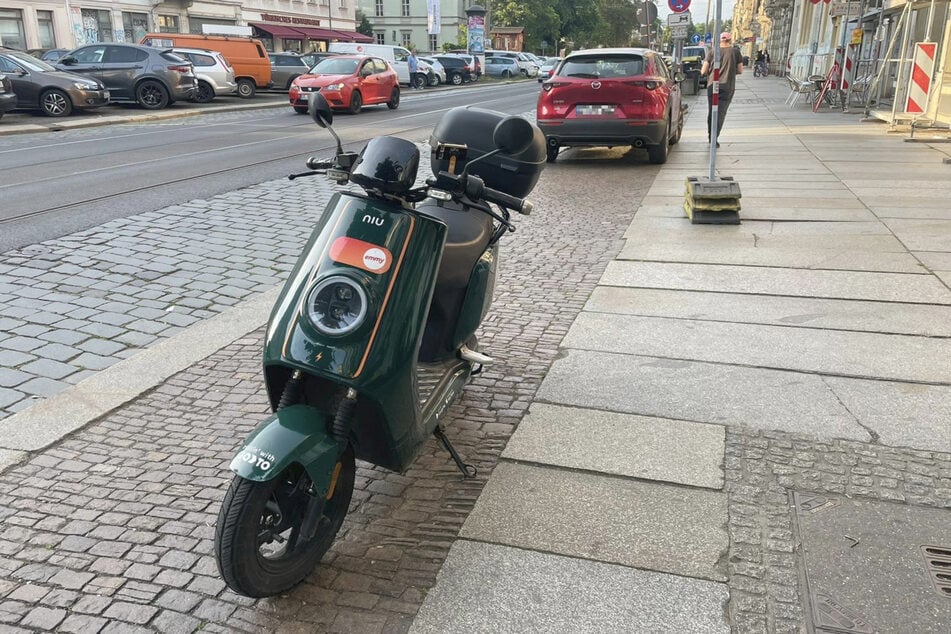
[181, 69]
[650, 84]
[548, 86]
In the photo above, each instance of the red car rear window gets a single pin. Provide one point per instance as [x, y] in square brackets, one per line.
[602, 66]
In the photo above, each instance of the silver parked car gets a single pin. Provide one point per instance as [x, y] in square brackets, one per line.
[151, 77]
[437, 74]
[501, 66]
[215, 75]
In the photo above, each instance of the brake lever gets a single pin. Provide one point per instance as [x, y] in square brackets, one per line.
[291, 177]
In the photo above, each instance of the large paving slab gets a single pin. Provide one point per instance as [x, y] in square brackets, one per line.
[865, 566]
[660, 527]
[835, 352]
[923, 235]
[891, 287]
[786, 257]
[900, 414]
[837, 314]
[497, 589]
[621, 444]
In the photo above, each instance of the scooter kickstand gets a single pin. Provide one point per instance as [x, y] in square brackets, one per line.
[468, 471]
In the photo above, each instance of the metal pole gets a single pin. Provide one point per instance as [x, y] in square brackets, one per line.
[715, 91]
[901, 60]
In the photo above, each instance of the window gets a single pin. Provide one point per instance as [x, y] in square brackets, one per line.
[380, 37]
[434, 42]
[97, 25]
[379, 10]
[168, 24]
[406, 38]
[342, 4]
[199, 59]
[6, 66]
[124, 55]
[11, 28]
[405, 8]
[90, 54]
[44, 26]
[135, 25]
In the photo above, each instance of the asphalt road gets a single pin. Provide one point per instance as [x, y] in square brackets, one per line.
[58, 183]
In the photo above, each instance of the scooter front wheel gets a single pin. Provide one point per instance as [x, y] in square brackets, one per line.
[271, 535]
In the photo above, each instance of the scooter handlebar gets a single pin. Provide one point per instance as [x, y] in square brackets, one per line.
[315, 163]
[475, 188]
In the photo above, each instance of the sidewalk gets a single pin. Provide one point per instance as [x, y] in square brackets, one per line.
[749, 426]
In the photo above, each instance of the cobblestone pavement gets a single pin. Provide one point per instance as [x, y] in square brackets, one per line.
[111, 529]
[762, 471]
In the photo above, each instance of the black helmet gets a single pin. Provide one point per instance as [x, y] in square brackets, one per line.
[387, 165]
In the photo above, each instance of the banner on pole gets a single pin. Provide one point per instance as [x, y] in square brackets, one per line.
[432, 17]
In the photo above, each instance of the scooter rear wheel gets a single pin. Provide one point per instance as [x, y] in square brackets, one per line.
[258, 542]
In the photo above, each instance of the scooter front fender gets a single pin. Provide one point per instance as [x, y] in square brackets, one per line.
[295, 434]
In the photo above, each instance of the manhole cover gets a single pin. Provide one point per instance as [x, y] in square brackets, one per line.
[863, 565]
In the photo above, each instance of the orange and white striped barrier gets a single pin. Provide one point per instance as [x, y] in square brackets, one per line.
[921, 73]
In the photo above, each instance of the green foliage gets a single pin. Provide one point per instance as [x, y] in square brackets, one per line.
[539, 18]
[363, 25]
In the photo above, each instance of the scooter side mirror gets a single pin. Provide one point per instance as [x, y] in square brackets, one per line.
[319, 110]
[513, 135]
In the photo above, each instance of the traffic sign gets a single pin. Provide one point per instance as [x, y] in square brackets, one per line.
[695, 38]
[707, 38]
[678, 18]
[678, 6]
[678, 32]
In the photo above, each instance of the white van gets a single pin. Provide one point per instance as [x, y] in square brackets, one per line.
[395, 55]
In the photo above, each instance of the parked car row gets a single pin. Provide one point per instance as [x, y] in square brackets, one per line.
[351, 81]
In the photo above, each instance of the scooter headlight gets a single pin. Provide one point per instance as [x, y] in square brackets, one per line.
[336, 305]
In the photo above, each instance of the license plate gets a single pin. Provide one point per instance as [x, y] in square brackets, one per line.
[105, 94]
[305, 96]
[594, 110]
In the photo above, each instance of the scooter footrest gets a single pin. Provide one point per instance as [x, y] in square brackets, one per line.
[475, 357]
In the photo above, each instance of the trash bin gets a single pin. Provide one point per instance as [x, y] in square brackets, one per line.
[691, 82]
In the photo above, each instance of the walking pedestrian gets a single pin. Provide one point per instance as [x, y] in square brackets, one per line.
[413, 63]
[731, 65]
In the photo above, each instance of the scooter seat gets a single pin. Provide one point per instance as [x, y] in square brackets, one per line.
[466, 241]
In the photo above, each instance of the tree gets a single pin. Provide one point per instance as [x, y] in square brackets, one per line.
[618, 21]
[364, 25]
[538, 17]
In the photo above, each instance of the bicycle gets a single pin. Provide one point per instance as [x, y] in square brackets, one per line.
[760, 69]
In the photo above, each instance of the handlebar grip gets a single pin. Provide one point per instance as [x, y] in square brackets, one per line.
[315, 163]
[511, 202]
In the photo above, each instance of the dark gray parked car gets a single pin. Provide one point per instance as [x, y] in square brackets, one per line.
[39, 86]
[151, 77]
[8, 100]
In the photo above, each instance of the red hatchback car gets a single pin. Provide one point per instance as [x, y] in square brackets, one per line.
[609, 97]
[348, 82]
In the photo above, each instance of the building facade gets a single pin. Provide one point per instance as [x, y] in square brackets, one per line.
[309, 24]
[875, 40]
[409, 22]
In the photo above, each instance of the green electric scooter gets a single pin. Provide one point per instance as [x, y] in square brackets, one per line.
[373, 336]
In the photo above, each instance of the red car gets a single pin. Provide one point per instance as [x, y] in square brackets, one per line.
[348, 82]
[610, 97]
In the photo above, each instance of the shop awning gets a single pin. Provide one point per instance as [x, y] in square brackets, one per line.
[353, 36]
[278, 30]
[312, 33]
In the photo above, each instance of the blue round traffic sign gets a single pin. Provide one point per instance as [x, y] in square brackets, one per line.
[678, 6]
[695, 38]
